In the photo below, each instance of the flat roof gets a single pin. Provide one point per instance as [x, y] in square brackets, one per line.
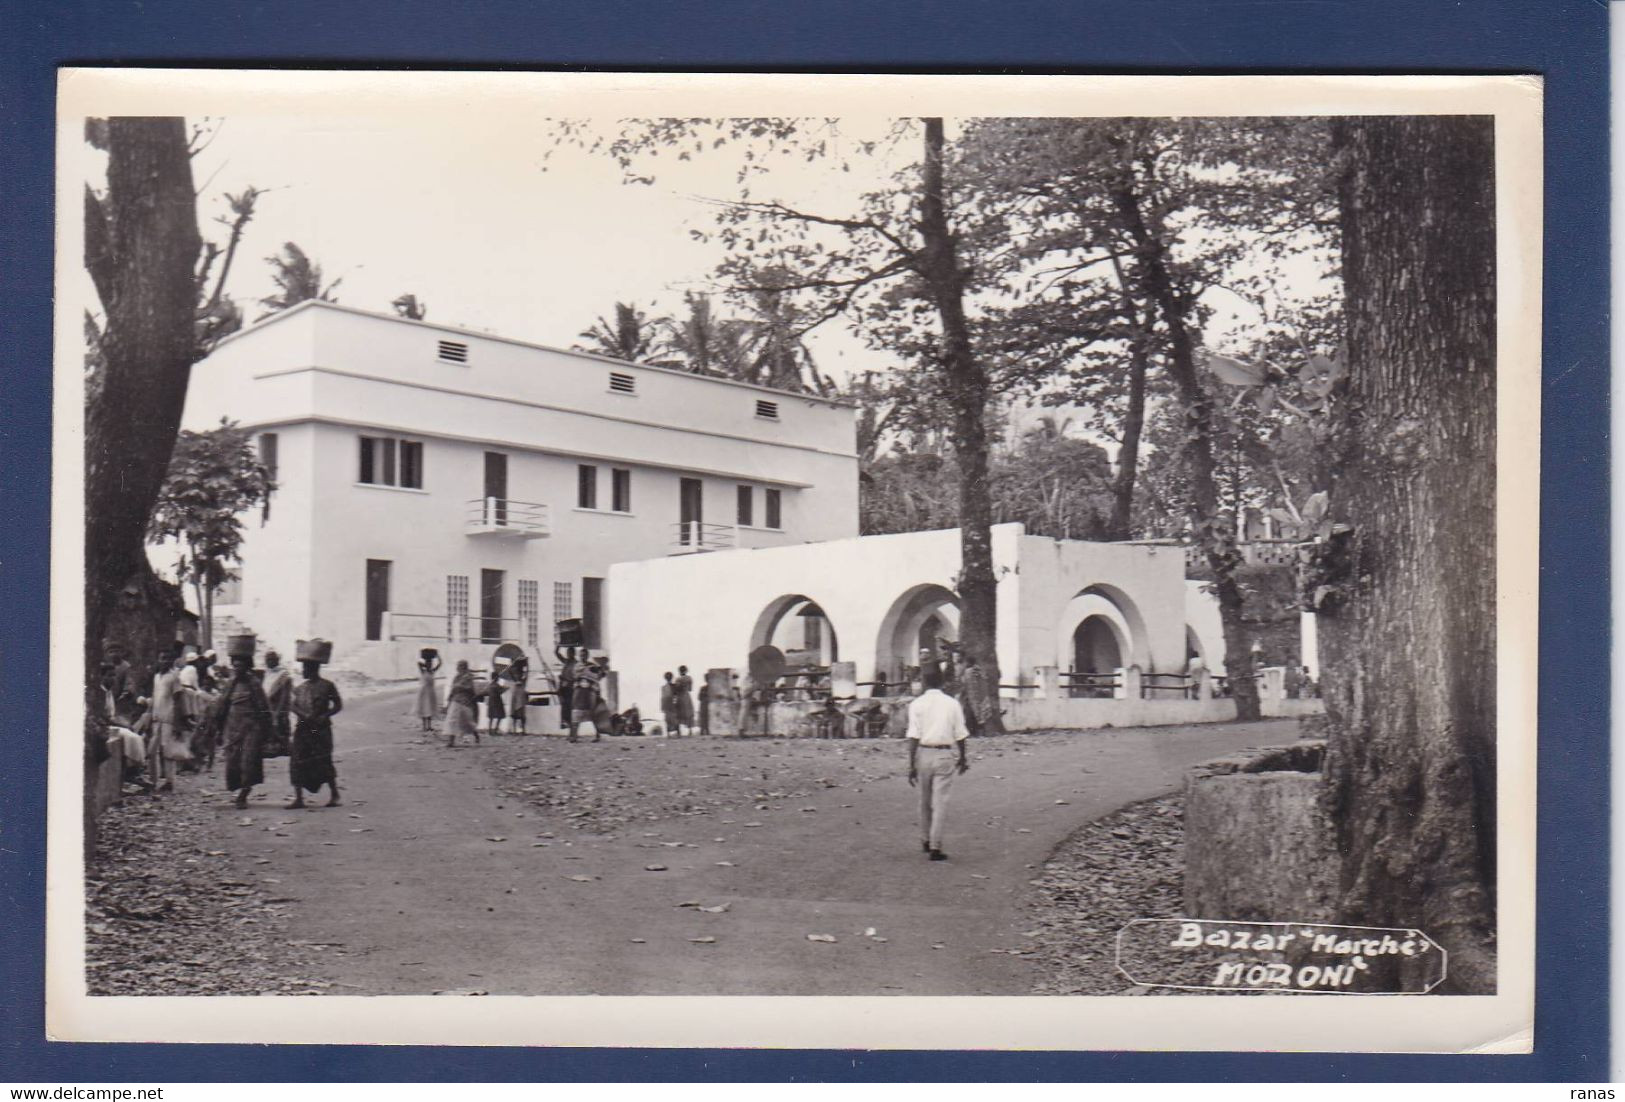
[575, 353]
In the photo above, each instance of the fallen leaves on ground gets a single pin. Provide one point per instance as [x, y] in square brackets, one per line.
[164, 914]
[1128, 865]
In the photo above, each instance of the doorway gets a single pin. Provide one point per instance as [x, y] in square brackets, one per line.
[496, 488]
[491, 606]
[377, 597]
[690, 512]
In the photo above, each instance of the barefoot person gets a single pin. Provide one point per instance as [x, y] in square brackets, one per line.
[460, 703]
[428, 705]
[242, 718]
[518, 694]
[936, 755]
[315, 702]
[279, 693]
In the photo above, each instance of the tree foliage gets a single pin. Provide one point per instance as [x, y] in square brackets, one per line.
[214, 478]
[298, 279]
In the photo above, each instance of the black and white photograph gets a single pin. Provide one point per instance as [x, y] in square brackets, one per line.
[548, 535]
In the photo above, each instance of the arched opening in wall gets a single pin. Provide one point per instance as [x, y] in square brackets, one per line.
[917, 628]
[1100, 631]
[1097, 655]
[1094, 646]
[797, 626]
[1193, 647]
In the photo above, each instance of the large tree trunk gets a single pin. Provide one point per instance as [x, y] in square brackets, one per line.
[1212, 535]
[1128, 450]
[968, 391]
[141, 245]
[1408, 634]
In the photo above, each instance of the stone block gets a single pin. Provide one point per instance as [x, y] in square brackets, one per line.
[1258, 847]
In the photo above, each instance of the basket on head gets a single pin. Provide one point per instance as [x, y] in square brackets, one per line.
[427, 653]
[240, 646]
[314, 650]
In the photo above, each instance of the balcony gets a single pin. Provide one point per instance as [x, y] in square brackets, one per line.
[505, 518]
[691, 536]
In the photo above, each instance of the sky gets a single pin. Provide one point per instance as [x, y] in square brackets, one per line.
[495, 229]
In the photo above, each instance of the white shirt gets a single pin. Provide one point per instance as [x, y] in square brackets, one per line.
[936, 719]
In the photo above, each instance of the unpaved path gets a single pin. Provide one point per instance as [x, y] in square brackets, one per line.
[429, 878]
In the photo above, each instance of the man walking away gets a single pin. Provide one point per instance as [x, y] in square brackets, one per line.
[936, 755]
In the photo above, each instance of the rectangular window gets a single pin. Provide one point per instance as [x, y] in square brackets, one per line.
[453, 352]
[622, 383]
[564, 601]
[747, 506]
[773, 518]
[456, 608]
[529, 609]
[268, 444]
[412, 464]
[620, 483]
[768, 411]
[587, 486]
[592, 613]
[812, 633]
[386, 461]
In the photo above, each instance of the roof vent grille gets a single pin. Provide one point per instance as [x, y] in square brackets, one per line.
[454, 352]
[767, 410]
[622, 383]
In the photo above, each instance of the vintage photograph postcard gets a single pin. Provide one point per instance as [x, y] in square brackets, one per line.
[802, 561]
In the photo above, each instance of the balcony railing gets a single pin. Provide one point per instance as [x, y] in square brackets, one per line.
[461, 627]
[689, 536]
[502, 516]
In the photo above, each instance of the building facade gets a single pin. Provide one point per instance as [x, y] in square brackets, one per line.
[447, 488]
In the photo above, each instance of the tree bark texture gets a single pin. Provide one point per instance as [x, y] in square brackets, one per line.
[1128, 450]
[1212, 535]
[968, 388]
[1408, 631]
[141, 248]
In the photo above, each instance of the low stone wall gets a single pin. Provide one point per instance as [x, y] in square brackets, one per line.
[1039, 713]
[1257, 845]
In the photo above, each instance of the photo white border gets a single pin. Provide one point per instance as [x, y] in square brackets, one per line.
[1502, 1023]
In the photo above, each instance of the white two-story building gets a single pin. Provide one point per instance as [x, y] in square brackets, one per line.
[447, 488]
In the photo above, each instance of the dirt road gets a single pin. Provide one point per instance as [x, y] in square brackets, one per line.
[430, 877]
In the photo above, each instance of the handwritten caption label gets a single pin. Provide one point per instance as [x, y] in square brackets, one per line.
[1201, 954]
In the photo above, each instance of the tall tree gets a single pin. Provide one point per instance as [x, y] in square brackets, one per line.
[905, 236]
[142, 248]
[1407, 595]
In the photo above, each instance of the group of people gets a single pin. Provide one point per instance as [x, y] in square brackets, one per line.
[190, 709]
[505, 695]
[677, 703]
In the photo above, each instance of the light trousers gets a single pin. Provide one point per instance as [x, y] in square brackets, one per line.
[937, 766]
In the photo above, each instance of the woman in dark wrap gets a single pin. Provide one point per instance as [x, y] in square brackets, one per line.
[243, 718]
[316, 701]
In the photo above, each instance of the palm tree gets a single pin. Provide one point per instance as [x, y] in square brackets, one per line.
[298, 279]
[707, 344]
[633, 336]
